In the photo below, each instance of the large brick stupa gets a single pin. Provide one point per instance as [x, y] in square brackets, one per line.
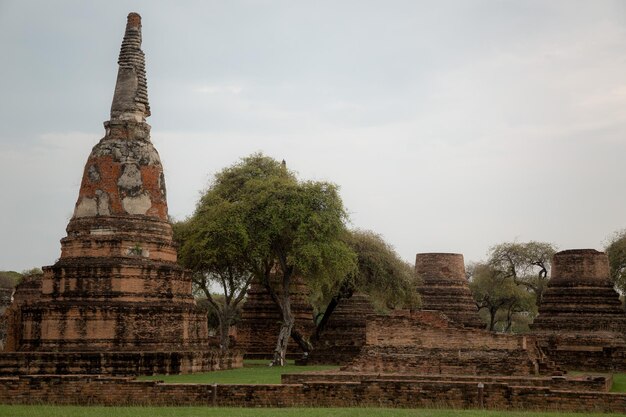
[117, 286]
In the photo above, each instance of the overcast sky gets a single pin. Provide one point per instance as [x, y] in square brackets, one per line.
[449, 126]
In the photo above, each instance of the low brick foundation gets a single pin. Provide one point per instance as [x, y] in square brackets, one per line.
[94, 390]
[427, 342]
[599, 383]
[117, 363]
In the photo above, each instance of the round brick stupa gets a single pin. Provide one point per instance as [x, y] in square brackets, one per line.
[117, 286]
[444, 287]
[580, 294]
[581, 322]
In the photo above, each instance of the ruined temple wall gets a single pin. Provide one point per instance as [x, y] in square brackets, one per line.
[598, 383]
[373, 393]
[5, 302]
[430, 330]
[428, 342]
[26, 293]
[122, 280]
[344, 335]
[118, 363]
[102, 326]
[258, 330]
[411, 360]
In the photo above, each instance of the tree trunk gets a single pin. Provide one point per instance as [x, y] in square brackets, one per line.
[509, 322]
[492, 319]
[224, 318]
[295, 335]
[322, 324]
[280, 352]
[344, 293]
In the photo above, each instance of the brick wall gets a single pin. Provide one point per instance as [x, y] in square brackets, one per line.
[117, 363]
[575, 383]
[386, 393]
[425, 342]
[428, 329]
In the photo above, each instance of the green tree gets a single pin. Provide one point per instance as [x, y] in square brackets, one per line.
[388, 280]
[500, 298]
[211, 245]
[9, 279]
[616, 251]
[271, 225]
[527, 264]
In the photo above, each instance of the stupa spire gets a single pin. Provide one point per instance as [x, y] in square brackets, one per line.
[130, 100]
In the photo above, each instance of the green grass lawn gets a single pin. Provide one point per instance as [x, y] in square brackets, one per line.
[257, 372]
[619, 380]
[619, 383]
[253, 372]
[70, 411]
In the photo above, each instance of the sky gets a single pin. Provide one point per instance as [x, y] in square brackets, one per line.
[449, 126]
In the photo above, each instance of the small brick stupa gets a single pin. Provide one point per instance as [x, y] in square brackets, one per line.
[117, 287]
[257, 333]
[581, 322]
[444, 287]
[344, 333]
[27, 292]
[5, 302]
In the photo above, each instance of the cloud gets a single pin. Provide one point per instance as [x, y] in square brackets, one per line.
[218, 89]
[448, 126]
[39, 186]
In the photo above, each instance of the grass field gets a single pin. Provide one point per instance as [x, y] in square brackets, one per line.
[257, 372]
[253, 372]
[56, 411]
[619, 383]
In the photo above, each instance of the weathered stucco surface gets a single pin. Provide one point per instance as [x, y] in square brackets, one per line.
[117, 286]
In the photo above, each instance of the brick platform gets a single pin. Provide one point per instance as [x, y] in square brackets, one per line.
[117, 363]
[428, 342]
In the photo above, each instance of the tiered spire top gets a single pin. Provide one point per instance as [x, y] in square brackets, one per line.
[130, 101]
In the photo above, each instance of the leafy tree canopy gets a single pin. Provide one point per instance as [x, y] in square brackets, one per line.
[9, 279]
[616, 251]
[389, 281]
[503, 302]
[527, 264]
[258, 220]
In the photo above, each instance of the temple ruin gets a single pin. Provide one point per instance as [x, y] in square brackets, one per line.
[5, 302]
[444, 287]
[581, 321]
[116, 303]
[344, 334]
[428, 342]
[257, 332]
[28, 291]
[116, 296]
